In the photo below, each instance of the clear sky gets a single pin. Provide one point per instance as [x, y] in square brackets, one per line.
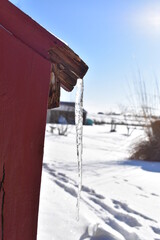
[114, 37]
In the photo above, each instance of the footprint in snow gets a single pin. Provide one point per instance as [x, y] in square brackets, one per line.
[126, 208]
[92, 192]
[117, 182]
[139, 188]
[142, 195]
[101, 232]
[123, 217]
[69, 190]
[62, 174]
[154, 194]
[156, 230]
[63, 179]
[125, 180]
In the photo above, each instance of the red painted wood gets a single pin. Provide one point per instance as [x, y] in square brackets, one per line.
[27, 30]
[36, 37]
[24, 83]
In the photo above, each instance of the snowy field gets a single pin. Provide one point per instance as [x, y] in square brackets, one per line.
[120, 197]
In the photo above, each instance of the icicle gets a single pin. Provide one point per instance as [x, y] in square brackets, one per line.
[79, 136]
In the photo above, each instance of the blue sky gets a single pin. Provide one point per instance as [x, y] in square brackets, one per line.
[115, 38]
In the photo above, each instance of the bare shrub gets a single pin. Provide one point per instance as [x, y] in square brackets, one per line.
[62, 129]
[149, 149]
[149, 105]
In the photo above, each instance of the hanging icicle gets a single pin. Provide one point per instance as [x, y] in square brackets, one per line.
[79, 136]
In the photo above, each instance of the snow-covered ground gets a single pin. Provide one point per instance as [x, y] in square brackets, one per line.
[120, 197]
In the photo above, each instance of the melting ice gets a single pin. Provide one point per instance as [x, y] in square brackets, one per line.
[79, 135]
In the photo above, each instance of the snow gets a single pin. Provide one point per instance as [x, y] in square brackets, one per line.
[119, 198]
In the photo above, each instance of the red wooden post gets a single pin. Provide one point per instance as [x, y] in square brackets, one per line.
[27, 58]
[24, 82]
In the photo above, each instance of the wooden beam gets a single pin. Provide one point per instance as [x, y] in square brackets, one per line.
[67, 57]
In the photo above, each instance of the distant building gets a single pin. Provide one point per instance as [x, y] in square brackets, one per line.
[65, 113]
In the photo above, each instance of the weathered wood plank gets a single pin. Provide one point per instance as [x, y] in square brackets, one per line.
[54, 88]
